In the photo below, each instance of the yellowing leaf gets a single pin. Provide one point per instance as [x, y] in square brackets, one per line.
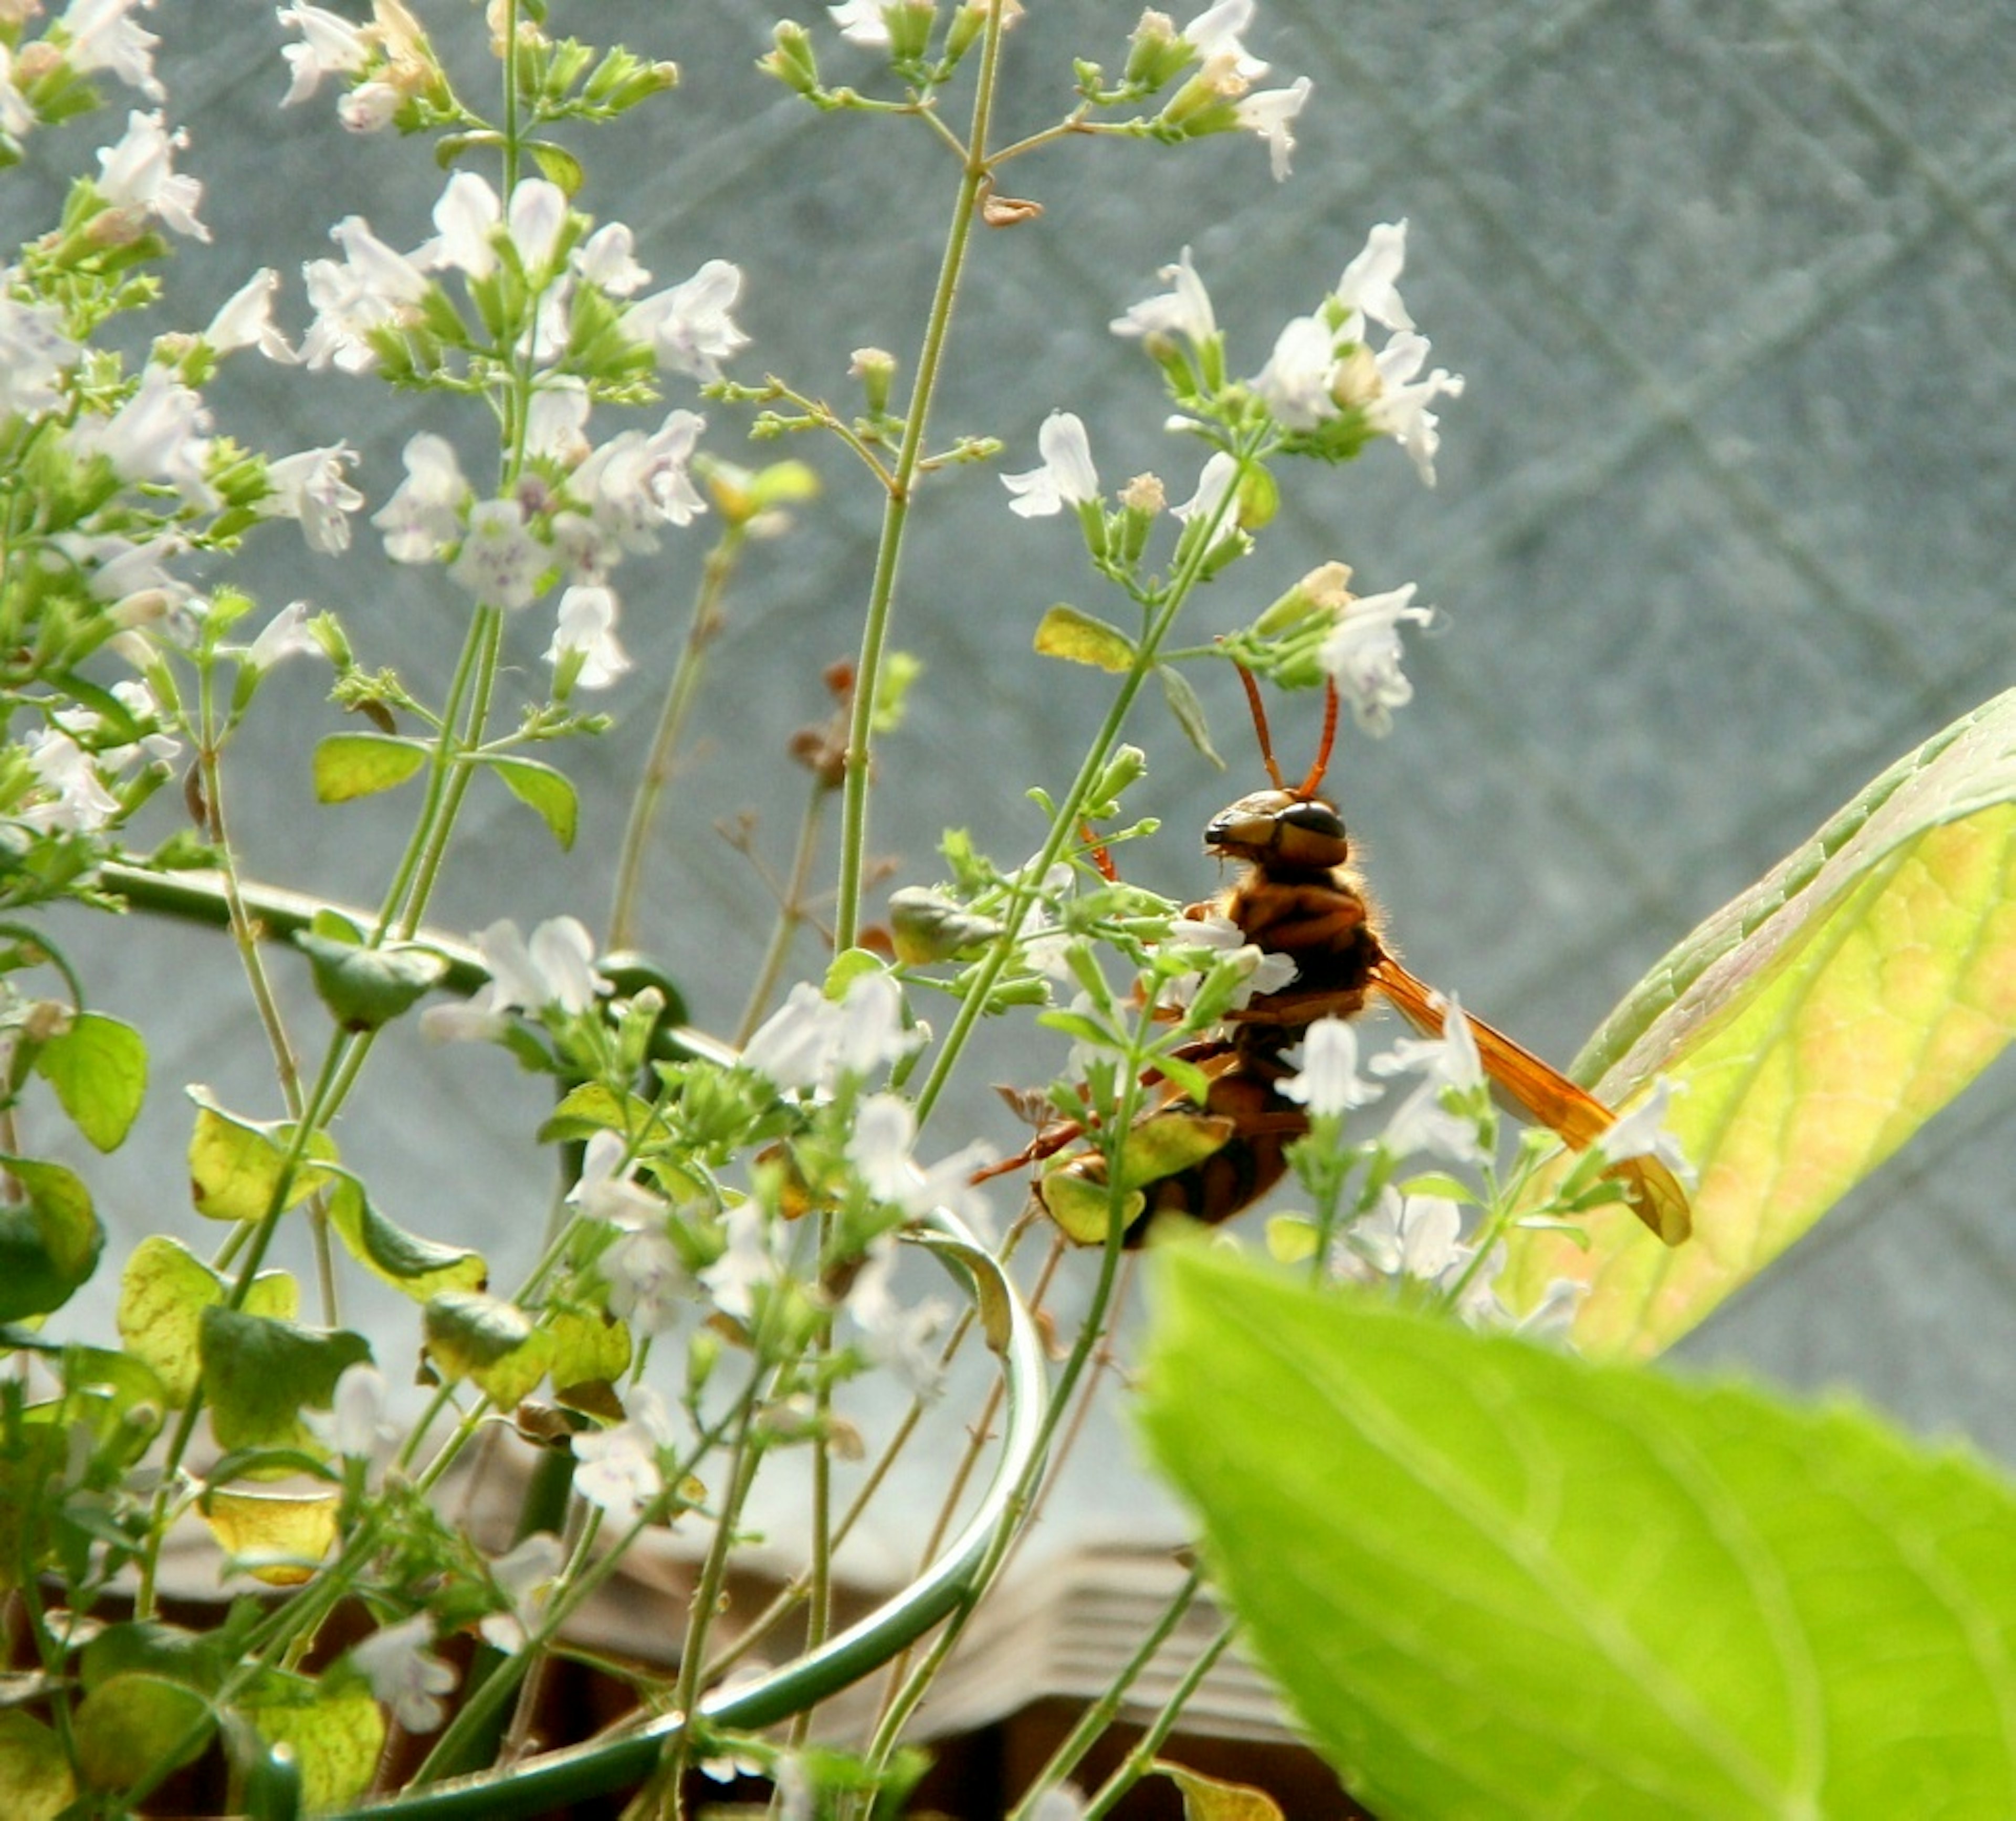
[1080, 638]
[1209, 1799]
[348, 766]
[277, 1537]
[1810, 1028]
[162, 1296]
[235, 1163]
[33, 1770]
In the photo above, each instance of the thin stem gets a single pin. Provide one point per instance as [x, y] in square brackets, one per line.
[790, 913]
[896, 511]
[1141, 1760]
[680, 694]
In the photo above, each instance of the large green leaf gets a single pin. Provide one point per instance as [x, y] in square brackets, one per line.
[1811, 1026]
[1498, 1582]
[50, 1238]
[98, 1067]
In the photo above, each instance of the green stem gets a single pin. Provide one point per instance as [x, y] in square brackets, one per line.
[679, 697]
[1141, 1760]
[896, 512]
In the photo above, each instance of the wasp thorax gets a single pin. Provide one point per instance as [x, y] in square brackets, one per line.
[1281, 828]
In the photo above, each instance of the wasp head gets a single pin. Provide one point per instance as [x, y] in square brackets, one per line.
[1279, 828]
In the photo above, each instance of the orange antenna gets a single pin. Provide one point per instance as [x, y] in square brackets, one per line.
[1260, 727]
[1323, 752]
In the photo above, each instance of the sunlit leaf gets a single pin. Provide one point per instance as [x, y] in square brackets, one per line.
[489, 1341]
[419, 1268]
[97, 1067]
[235, 1163]
[277, 1538]
[162, 1293]
[337, 1735]
[1208, 1798]
[1496, 1581]
[1065, 633]
[1811, 1027]
[349, 765]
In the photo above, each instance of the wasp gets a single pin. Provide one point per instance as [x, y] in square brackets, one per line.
[1299, 896]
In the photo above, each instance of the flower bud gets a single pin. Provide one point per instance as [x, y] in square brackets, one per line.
[1156, 52]
[875, 369]
[1323, 590]
[790, 58]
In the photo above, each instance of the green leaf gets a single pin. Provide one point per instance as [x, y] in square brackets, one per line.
[1496, 1581]
[589, 1108]
[349, 765]
[35, 1770]
[49, 1240]
[235, 1163]
[135, 1723]
[558, 166]
[489, 1341]
[1811, 1027]
[588, 1349]
[548, 793]
[1078, 638]
[258, 1371]
[1188, 710]
[99, 1070]
[337, 1735]
[364, 988]
[419, 1268]
[162, 1296]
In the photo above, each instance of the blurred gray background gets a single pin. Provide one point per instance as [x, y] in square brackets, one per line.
[1721, 531]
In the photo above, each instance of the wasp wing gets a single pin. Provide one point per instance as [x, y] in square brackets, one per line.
[1543, 1094]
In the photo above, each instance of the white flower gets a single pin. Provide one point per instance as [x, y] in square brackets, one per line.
[1642, 1133]
[35, 353]
[1185, 310]
[466, 216]
[405, 1674]
[156, 435]
[17, 117]
[1066, 477]
[285, 635]
[1417, 1236]
[1401, 410]
[688, 327]
[1363, 652]
[1296, 385]
[647, 1279]
[77, 802]
[1449, 1064]
[103, 36]
[246, 320]
[423, 516]
[522, 1578]
[355, 1423]
[1213, 34]
[555, 969]
[632, 484]
[588, 626]
[860, 22]
[879, 1148]
[809, 1041]
[607, 260]
[1329, 1082]
[500, 561]
[1266, 973]
[1214, 484]
[373, 287]
[745, 1266]
[370, 107]
[136, 173]
[904, 1339]
[1271, 114]
[556, 419]
[617, 1469]
[310, 487]
[330, 46]
[1369, 283]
